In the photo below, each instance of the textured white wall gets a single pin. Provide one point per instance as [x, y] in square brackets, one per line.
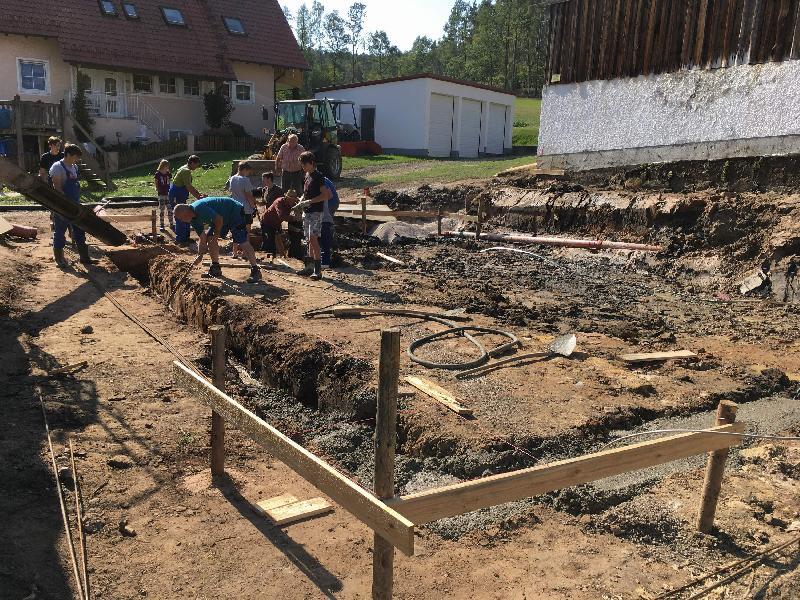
[748, 101]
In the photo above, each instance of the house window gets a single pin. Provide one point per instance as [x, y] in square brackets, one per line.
[130, 10]
[142, 83]
[33, 76]
[243, 92]
[234, 25]
[108, 8]
[173, 16]
[167, 85]
[191, 87]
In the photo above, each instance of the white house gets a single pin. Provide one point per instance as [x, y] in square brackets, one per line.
[431, 115]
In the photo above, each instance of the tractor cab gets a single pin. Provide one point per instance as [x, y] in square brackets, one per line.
[344, 111]
[315, 126]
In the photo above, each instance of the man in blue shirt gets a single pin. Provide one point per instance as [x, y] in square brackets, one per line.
[220, 215]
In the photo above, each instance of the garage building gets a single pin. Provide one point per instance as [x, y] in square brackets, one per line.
[431, 115]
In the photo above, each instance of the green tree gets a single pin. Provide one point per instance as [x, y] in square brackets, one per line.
[355, 29]
[287, 12]
[301, 27]
[316, 23]
[80, 108]
[380, 48]
[218, 108]
[336, 40]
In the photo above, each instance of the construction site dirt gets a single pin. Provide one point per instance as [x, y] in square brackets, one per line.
[143, 443]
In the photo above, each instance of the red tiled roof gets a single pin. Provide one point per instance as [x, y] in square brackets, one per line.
[203, 48]
[268, 38]
[346, 86]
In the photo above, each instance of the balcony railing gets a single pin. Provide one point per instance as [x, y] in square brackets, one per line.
[126, 106]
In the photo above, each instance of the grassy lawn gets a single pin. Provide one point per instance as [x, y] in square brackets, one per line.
[359, 172]
[527, 109]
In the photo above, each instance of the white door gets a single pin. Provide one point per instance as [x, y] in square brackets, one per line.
[470, 133]
[112, 88]
[497, 128]
[440, 127]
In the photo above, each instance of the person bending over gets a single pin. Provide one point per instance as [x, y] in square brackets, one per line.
[219, 215]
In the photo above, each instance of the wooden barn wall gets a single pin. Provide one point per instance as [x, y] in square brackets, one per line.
[606, 39]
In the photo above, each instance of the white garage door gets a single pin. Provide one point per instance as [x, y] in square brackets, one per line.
[440, 129]
[470, 134]
[497, 128]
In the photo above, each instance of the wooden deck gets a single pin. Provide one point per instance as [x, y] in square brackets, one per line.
[19, 118]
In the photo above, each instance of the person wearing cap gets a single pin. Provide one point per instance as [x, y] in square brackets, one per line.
[241, 189]
[273, 218]
[287, 164]
[220, 215]
[179, 192]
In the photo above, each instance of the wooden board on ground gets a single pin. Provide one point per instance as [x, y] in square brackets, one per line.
[391, 259]
[363, 505]
[262, 506]
[297, 511]
[658, 356]
[5, 226]
[127, 218]
[440, 394]
[459, 498]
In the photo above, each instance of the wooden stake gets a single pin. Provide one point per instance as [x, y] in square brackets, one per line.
[217, 422]
[439, 222]
[479, 224]
[72, 556]
[364, 215]
[715, 468]
[79, 513]
[385, 441]
[153, 224]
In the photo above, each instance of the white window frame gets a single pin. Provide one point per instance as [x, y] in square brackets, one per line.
[153, 84]
[46, 63]
[182, 88]
[169, 94]
[233, 97]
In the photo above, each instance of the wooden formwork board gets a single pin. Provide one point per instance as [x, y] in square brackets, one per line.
[451, 500]
[127, 218]
[382, 519]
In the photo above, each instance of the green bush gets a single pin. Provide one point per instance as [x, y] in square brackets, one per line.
[521, 123]
[218, 108]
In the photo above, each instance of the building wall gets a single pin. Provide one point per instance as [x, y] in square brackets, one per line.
[402, 111]
[736, 103]
[18, 46]
[249, 115]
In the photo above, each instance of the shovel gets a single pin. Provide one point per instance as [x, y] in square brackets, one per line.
[563, 345]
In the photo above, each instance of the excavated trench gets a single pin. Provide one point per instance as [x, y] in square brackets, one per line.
[324, 397]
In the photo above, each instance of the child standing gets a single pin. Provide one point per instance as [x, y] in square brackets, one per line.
[163, 178]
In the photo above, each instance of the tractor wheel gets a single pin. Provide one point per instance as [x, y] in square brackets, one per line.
[333, 163]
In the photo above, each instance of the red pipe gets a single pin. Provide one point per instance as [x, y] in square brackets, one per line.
[554, 241]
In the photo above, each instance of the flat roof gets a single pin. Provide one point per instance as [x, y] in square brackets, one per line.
[347, 86]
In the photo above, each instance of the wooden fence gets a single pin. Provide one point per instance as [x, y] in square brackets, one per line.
[607, 39]
[220, 143]
[151, 152]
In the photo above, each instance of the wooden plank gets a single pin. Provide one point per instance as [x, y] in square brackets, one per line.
[745, 32]
[657, 356]
[262, 506]
[126, 218]
[795, 52]
[783, 32]
[439, 394]
[391, 259]
[297, 511]
[350, 496]
[700, 33]
[219, 370]
[648, 38]
[459, 498]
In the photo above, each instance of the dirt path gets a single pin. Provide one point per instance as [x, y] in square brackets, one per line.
[142, 459]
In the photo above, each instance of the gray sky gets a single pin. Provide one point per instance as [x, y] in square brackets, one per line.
[403, 20]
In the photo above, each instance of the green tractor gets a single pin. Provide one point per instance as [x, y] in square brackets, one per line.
[315, 126]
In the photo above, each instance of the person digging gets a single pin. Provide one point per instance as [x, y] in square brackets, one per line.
[220, 215]
[315, 194]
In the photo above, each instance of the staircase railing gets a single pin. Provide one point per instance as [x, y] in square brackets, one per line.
[99, 166]
[147, 115]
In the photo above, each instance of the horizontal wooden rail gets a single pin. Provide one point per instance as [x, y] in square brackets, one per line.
[127, 218]
[457, 499]
[399, 214]
[381, 518]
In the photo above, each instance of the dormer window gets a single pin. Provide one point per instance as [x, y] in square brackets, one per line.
[107, 8]
[173, 16]
[130, 10]
[234, 25]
